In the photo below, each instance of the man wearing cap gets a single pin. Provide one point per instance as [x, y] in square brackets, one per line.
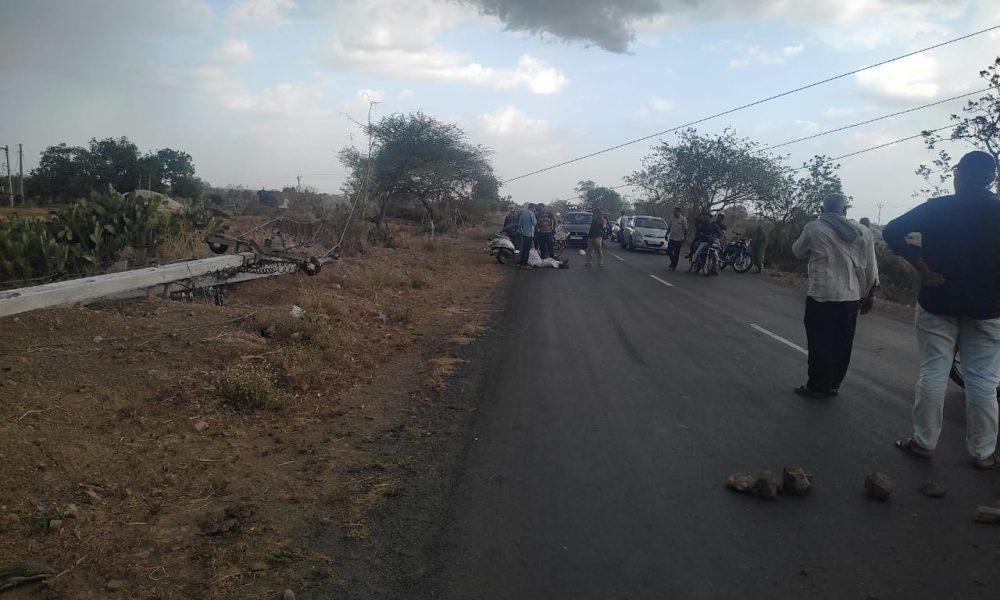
[958, 260]
[842, 277]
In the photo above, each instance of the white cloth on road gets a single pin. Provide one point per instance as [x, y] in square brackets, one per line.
[535, 260]
[838, 271]
[978, 343]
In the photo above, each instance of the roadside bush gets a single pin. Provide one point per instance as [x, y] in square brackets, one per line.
[898, 279]
[246, 389]
[89, 235]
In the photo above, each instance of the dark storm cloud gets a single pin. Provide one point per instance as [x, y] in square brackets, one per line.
[605, 23]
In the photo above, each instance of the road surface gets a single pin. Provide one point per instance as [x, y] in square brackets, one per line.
[623, 396]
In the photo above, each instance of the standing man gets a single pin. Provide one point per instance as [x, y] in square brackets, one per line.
[526, 221]
[842, 276]
[676, 233]
[758, 245]
[545, 232]
[595, 238]
[959, 306]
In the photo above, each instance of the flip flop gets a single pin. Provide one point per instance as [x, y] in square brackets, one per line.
[910, 446]
[991, 467]
[813, 394]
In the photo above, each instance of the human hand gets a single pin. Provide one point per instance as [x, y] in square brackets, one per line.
[928, 278]
[867, 303]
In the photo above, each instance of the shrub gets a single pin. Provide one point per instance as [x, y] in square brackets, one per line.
[246, 389]
[89, 235]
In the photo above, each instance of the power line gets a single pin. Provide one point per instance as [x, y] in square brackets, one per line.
[751, 104]
[876, 119]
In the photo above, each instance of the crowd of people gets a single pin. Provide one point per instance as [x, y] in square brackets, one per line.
[958, 310]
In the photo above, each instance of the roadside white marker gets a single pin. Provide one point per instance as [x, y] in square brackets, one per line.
[618, 257]
[788, 343]
[666, 283]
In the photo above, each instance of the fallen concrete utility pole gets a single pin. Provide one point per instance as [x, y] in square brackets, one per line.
[173, 277]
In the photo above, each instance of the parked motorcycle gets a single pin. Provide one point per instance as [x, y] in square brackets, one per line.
[706, 258]
[737, 254]
[560, 244]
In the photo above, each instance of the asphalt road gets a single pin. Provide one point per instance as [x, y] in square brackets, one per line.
[619, 402]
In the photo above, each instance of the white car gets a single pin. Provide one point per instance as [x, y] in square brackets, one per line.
[645, 233]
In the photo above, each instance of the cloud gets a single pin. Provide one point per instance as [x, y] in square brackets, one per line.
[286, 98]
[756, 55]
[509, 120]
[267, 13]
[612, 24]
[912, 78]
[407, 93]
[608, 24]
[233, 50]
[654, 109]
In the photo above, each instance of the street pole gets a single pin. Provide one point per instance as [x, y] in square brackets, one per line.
[20, 168]
[10, 180]
[879, 218]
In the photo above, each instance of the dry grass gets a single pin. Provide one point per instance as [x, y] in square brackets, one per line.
[157, 427]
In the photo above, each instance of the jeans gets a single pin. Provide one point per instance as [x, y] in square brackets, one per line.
[674, 251]
[978, 343]
[526, 245]
[595, 247]
[546, 244]
[830, 330]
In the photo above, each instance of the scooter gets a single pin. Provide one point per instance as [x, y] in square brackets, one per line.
[501, 247]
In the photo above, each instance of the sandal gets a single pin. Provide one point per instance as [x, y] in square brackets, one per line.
[995, 457]
[803, 390]
[911, 447]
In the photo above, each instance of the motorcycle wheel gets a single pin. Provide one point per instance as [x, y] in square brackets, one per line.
[501, 256]
[558, 249]
[710, 268]
[743, 263]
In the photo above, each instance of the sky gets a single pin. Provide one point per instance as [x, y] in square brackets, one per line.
[260, 91]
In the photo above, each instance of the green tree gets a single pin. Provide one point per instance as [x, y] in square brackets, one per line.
[978, 127]
[798, 197]
[419, 161]
[592, 195]
[707, 172]
[187, 187]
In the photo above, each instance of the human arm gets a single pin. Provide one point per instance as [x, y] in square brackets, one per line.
[800, 248]
[871, 274]
[895, 234]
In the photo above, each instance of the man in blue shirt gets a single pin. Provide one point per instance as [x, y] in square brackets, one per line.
[526, 221]
[958, 260]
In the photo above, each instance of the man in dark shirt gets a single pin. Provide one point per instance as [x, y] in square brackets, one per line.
[958, 260]
[545, 231]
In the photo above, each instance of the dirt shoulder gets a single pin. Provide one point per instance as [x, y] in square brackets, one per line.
[157, 449]
[798, 281]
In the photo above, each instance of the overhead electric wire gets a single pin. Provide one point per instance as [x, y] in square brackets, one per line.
[750, 104]
[874, 120]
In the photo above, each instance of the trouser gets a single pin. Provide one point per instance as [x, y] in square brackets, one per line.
[978, 343]
[693, 247]
[830, 330]
[526, 243]
[758, 258]
[546, 244]
[595, 247]
[674, 251]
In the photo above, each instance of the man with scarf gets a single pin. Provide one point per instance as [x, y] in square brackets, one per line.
[958, 260]
[842, 280]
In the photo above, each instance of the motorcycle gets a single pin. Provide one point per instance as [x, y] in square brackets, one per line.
[706, 258]
[958, 375]
[560, 241]
[737, 254]
[502, 247]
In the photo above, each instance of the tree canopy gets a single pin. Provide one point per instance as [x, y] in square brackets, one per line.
[592, 196]
[416, 160]
[798, 196]
[707, 172]
[67, 172]
[978, 126]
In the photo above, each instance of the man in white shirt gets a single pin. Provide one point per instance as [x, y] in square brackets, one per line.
[842, 279]
[675, 237]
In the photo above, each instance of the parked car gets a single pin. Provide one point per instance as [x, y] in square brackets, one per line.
[645, 233]
[576, 223]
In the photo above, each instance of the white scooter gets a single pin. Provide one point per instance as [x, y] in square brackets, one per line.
[501, 247]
